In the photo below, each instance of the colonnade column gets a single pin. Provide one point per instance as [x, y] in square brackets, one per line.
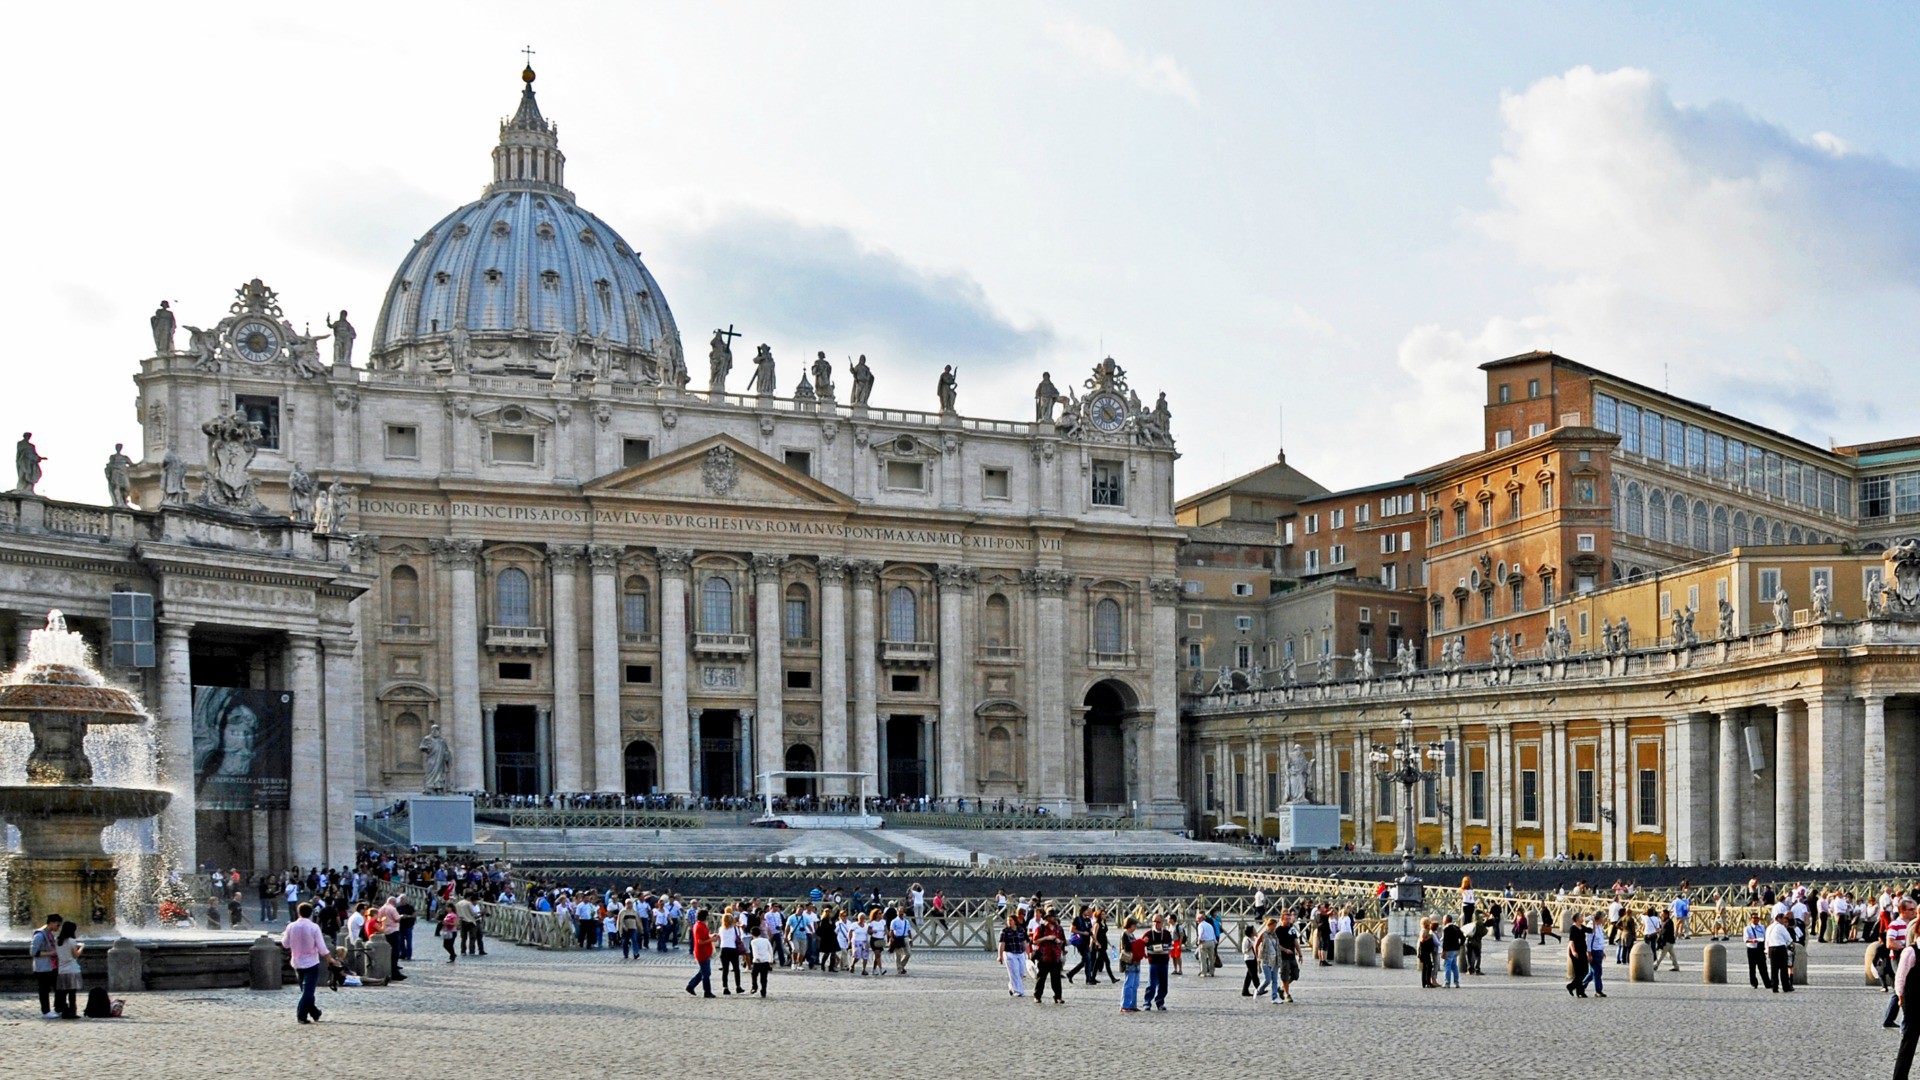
[1828, 779]
[1787, 845]
[1362, 773]
[562, 561]
[955, 582]
[769, 725]
[306, 807]
[676, 753]
[1048, 726]
[460, 557]
[1164, 685]
[1607, 794]
[1496, 792]
[1551, 764]
[833, 670]
[1873, 808]
[1728, 809]
[175, 724]
[344, 762]
[608, 759]
[865, 729]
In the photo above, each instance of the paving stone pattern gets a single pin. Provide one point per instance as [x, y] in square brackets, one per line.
[518, 1012]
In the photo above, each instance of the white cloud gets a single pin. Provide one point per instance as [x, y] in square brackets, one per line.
[1103, 50]
[1678, 242]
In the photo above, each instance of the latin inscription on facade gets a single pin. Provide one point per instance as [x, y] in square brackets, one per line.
[713, 523]
[236, 594]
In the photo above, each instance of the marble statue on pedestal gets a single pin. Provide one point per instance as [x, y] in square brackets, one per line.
[303, 354]
[862, 381]
[26, 464]
[1289, 673]
[823, 377]
[948, 388]
[1822, 601]
[1045, 397]
[1782, 610]
[763, 381]
[173, 479]
[1726, 621]
[205, 347]
[436, 763]
[119, 482]
[1299, 775]
[162, 323]
[720, 360]
[300, 494]
[343, 335]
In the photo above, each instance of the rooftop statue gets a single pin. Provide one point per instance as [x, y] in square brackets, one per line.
[26, 464]
[343, 335]
[862, 381]
[948, 388]
[823, 377]
[119, 482]
[162, 323]
[764, 380]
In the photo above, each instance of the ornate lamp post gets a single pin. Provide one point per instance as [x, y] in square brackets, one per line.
[1401, 763]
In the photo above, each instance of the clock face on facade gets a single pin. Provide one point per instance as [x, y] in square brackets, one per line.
[256, 341]
[1109, 412]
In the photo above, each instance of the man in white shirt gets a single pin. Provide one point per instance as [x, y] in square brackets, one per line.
[1756, 939]
[1780, 953]
[762, 956]
[1209, 946]
[900, 939]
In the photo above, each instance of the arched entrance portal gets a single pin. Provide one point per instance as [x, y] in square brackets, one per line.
[800, 759]
[1104, 745]
[642, 768]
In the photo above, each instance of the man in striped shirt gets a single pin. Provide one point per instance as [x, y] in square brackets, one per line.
[1893, 944]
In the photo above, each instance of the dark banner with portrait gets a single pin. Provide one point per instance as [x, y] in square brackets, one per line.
[242, 748]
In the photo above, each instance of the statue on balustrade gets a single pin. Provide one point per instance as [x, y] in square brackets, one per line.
[1782, 610]
[862, 380]
[119, 480]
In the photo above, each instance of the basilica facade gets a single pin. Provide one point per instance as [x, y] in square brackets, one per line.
[594, 573]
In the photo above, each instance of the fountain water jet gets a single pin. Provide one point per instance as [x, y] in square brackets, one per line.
[59, 811]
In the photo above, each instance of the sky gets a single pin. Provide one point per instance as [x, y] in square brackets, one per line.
[1306, 222]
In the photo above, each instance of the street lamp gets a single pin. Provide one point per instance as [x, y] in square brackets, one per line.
[1401, 763]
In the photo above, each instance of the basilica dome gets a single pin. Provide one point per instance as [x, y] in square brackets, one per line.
[524, 281]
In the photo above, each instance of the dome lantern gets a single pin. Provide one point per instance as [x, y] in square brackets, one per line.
[528, 157]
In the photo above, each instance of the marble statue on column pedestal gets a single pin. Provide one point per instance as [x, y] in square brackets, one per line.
[173, 479]
[300, 494]
[823, 377]
[948, 388]
[1782, 610]
[1299, 775]
[436, 763]
[343, 335]
[1726, 621]
[862, 381]
[1822, 601]
[119, 482]
[1045, 397]
[163, 324]
[764, 381]
[26, 464]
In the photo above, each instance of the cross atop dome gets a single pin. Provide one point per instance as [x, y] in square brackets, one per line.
[528, 157]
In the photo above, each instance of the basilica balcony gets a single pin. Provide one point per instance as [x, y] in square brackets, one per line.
[631, 637]
[405, 631]
[722, 644]
[907, 653]
[516, 639]
[1099, 659]
[1000, 654]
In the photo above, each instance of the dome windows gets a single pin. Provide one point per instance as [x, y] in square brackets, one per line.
[550, 278]
[459, 231]
[441, 277]
[492, 274]
[587, 237]
[544, 232]
[501, 228]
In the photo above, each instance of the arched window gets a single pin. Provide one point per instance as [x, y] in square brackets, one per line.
[1657, 515]
[1681, 534]
[999, 628]
[1741, 537]
[799, 621]
[1619, 506]
[403, 596]
[1779, 533]
[1699, 524]
[1636, 511]
[1108, 634]
[1721, 540]
[512, 598]
[635, 616]
[1760, 530]
[716, 605]
[1794, 535]
[903, 614]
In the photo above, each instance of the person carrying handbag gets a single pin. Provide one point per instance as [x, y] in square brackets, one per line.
[449, 932]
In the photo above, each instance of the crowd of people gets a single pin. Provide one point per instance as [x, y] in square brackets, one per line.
[790, 804]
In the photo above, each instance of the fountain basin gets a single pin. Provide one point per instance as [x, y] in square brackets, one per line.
[169, 960]
[66, 819]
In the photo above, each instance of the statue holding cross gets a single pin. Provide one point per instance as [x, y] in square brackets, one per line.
[720, 360]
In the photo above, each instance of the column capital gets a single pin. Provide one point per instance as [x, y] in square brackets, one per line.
[832, 569]
[866, 572]
[172, 627]
[1044, 582]
[456, 554]
[339, 645]
[362, 546]
[1166, 590]
[565, 558]
[299, 642]
[604, 557]
[767, 564]
[673, 562]
[955, 577]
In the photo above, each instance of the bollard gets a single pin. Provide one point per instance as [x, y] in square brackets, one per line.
[1366, 951]
[264, 961]
[1640, 962]
[1798, 958]
[125, 966]
[1343, 947]
[1713, 963]
[379, 959]
[1392, 955]
[1873, 974]
[1520, 957]
[357, 958]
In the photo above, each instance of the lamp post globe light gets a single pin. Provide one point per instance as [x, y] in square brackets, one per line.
[1401, 763]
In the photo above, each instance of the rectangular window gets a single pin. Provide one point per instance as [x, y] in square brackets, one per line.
[1515, 504]
[1273, 788]
[1243, 588]
[1906, 493]
[796, 621]
[1583, 541]
[1243, 656]
[1486, 513]
[1503, 438]
[1505, 393]
[130, 629]
[635, 452]
[1459, 521]
[1583, 624]
[1534, 431]
[1653, 440]
[1477, 794]
[1676, 442]
[906, 476]
[1583, 796]
[1243, 623]
[1876, 497]
[403, 441]
[1530, 796]
[1346, 793]
[1774, 485]
[800, 461]
[513, 448]
[1486, 604]
[1313, 524]
[1736, 463]
[1338, 555]
[1547, 596]
[1109, 484]
[996, 484]
[1383, 799]
[1533, 388]
[1793, 480]
[1213, 802]
[1828, 494]
[1630, 428]
[1693, 597]
[515, 671]
[1313, 561]
[1390, 575]
[264, 414]
[1194, 657]
[1606, 415]
[1666, 604]
[799, 680]
[1429, 799]
[1517, 599]
[1696, 448]
[904, 684]
[1769, 585]
[639, 674]
[1337, 519]
[1716, 456]
[1239, 785]
[1362, 514]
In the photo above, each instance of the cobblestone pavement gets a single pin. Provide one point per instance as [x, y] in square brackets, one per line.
[519, 1013]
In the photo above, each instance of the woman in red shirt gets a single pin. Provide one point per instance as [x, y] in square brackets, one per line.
[702, 954]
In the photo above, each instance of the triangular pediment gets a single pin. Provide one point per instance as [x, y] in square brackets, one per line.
[719, 468]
